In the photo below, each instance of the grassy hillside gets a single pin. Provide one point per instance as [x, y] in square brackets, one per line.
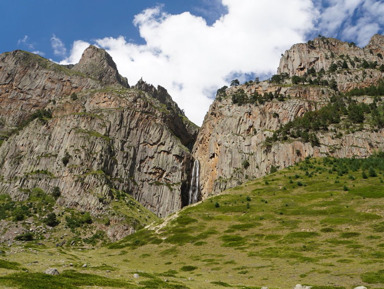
[320, 223]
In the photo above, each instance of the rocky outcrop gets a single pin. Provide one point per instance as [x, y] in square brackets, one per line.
[29, 82]
[96, 140]
[112, 140]
[96, 63]
[232, 148]
[321, 52]
[234, 141]
[329, 58]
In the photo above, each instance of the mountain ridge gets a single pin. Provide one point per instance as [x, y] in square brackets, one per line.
[239, 138]
[84, 130]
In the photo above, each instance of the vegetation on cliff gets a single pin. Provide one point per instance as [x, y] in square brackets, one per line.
[312, 224]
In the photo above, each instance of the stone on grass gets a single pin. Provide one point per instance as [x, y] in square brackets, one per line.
[52, 271]
[299, 286]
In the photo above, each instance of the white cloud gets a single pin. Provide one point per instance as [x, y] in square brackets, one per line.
[77, 50]
[191, 59]
[25, 41]
[41, 53]
[58, 46]
[352, 20]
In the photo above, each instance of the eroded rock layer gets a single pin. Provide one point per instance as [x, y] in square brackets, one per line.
[82, 131]
[242, 136]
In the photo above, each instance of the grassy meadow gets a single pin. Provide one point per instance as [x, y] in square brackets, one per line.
[319, 223]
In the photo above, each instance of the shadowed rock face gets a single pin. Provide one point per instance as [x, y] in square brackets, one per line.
[232, 144]
[104, 139]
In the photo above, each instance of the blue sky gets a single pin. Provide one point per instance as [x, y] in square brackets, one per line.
[87, 20]
[191, 47]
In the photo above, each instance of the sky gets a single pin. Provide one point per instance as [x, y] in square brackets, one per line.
[190, 47]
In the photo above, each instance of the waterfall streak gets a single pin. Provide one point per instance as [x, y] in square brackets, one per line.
[194, 190]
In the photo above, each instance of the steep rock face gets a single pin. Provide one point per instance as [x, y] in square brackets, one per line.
[321, 52]
[29, 82]
[96, 141]
[349, 65]
[234, 143]
[232, 148]
[184, 129]
[112, 140]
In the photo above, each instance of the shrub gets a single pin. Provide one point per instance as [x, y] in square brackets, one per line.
[51, 220]
[372, 172]
[296, 79]
[77, 220]
[273, 169]
[277, 78]
[245, 164]
[20, 213]
[66, 158]
[188, 268]
[24, 237]
[74, 96]
[221, 92]
[235, 82]
[56, 192]
[98, 236]
[239, 97]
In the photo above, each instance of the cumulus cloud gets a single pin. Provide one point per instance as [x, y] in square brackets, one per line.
[192, 59]
[351, 20]
[58, 46]
[77, 50]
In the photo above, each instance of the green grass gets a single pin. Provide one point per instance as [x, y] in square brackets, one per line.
[9, 265]
[66, 280]
[317, 234]
[373, 277]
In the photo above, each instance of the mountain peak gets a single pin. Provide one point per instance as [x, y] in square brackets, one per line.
[97, 63]
[377, 40]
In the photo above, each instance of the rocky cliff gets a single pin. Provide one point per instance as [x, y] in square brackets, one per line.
[83, 132]
[256, 128]
[324, 59]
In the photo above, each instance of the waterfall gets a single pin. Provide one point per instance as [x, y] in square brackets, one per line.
[194, 190]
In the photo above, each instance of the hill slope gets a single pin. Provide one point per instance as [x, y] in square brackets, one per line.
[320, 223]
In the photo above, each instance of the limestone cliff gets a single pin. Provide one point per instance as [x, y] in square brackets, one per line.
[329, 58]
[249, 130]
[82, 131]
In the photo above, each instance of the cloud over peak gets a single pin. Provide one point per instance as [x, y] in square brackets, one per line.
[192, 58]
[351, 20]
